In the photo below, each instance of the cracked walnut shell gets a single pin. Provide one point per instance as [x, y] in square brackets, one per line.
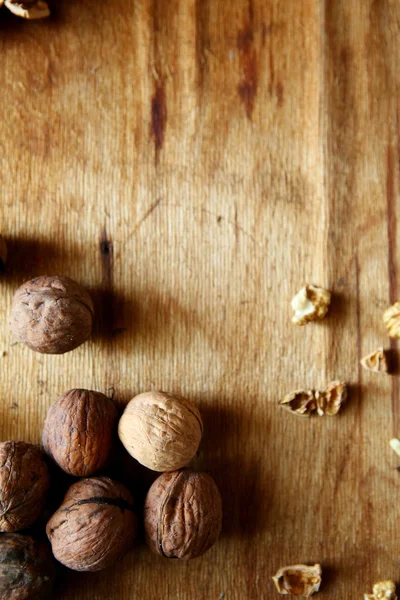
[310, 304]
[391, 319]
[95, 525]
[383, 590]
[78, 431]
[30, 9]
[27, 568]
[300, 402]
[51, 315]
[298, 580]
[375, 361]
[24, 482]
[331, 400]
[161, 431]
[182, 514]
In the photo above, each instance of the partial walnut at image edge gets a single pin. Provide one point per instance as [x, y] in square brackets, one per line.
[383, 590]
[30, 10]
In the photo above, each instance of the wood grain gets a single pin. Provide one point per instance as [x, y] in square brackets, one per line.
[193, 163]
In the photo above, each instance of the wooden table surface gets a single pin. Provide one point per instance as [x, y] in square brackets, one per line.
[193, 163]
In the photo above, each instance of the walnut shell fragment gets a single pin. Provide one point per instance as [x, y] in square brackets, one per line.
[36, 9]
[376, 361]
[383, 590]
[331, 400]
[310, 304]
[298, 580]
[95, 525]
[300, 402]
[24, 482]
[52, 315]
[161, 431]
[3, 246]
[27, 568]
[182, 514]
[78, 431]
[391, 320]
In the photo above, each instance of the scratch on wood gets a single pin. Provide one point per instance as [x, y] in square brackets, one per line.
[158, 117]
[106, 254]
[146, 215]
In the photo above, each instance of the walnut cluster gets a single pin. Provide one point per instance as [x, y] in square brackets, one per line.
[326, 402]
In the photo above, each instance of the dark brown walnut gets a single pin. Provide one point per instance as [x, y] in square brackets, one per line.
[3, 249]
[94, 526]
[182, 514]
[51, 315]
[27, 568]
[78, 431]
[24, 482]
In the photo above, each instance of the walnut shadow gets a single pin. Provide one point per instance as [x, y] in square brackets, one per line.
[28, 258]
[114, 315]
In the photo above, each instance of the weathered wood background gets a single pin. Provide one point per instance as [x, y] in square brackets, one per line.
[193, 163]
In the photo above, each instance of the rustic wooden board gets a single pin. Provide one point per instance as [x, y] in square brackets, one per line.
[193, 163]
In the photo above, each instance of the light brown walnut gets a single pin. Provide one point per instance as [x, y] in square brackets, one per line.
[161, 431]
[182, 514]
[27, 568]
[24, 482]
[78, 431]
[95, 525]
[51, 315]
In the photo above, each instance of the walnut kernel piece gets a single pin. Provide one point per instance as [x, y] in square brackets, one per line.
[300, 402]
[375, 361]
[29, 10]
[391, 319]
[331, 400]
[310, 304]
[298, 580]
[383, 590]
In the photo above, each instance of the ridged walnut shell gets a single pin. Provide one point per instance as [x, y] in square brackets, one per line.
[94, 526]
[161, 431]
[51, 315]
[182, 514]
[27, 568]
[78, 431]
[24, 482]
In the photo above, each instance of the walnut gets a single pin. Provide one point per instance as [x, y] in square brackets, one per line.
[161, 431]
[391, 319]
[3, 247]
[182, 514]
[27, 568]
[24, 482]
[300, 402]
[310, 304]
[78, 431]
[51, 315]
[298, 580]
[384, 590]
[375, 361]
[95, 525]
[30, 9]
[331, 400]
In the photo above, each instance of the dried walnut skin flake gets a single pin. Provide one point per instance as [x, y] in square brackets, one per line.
[375, 361]
[95, 525]
[78, 431]
[298, 580]
[51, 315]
[383, 590]
[24, 482]
[161, 431]
[27, 568]
[310, 304]
[36, 9]
[182, 514]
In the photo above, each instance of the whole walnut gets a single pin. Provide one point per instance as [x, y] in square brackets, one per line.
[51, 315]
[94, 526]
[78, 431]
[27, 568]
[24, 482]
[3, 254]
[182, 514]
[161, 431]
